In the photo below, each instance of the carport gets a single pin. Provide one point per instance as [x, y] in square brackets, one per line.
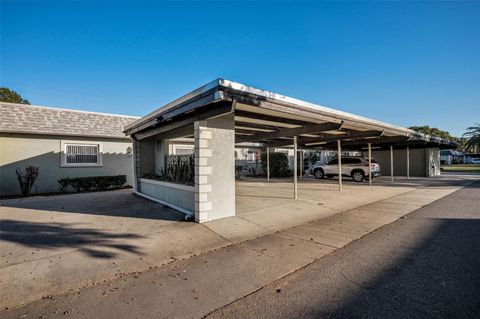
[222, 115]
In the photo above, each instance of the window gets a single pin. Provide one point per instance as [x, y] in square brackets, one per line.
[251, 156]
[183, 151]
[350, 160]
[82, 155]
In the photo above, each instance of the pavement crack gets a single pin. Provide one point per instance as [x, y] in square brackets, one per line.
[355, 282]
[310, 241]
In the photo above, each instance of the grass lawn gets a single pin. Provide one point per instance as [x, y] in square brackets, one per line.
[471, 168]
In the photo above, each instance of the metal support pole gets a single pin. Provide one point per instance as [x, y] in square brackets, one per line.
[391, 162]
[408, 162]
[301, 164]
[370, 163]
[295, 190]
[339, 150]
[268, 164]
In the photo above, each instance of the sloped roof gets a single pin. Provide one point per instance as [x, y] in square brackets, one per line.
[31, 119]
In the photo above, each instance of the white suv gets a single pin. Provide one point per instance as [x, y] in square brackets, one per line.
[354, 167]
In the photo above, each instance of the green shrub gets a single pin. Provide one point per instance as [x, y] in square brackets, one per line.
[278, 164]
[178, 169]
[64, 183]
[27, 179]
[86, 184]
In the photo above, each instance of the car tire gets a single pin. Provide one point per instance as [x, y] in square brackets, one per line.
[358, 176]
[318, 173]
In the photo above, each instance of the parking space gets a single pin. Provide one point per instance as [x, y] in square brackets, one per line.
[272, 205]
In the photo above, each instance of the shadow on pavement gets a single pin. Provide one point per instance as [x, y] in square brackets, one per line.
[59, 235]
[113, 203]
[438, 277]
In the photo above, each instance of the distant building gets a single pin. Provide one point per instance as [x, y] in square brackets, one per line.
[471, 158]
[449, 157]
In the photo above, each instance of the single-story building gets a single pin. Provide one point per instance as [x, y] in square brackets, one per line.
[449, 157]
[223, 116]
[470, 158]
[61, 143]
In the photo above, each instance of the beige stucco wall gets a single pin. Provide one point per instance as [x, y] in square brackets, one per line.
[424, 162]
[20, 150]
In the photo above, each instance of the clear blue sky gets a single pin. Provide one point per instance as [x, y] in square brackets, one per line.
[410, 63]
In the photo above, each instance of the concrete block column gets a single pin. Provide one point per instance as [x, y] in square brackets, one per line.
[214, 168]
[136, 164]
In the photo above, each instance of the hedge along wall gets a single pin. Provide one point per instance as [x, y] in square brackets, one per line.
[91, 183]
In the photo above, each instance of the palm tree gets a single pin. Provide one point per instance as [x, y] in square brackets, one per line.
[472, 137]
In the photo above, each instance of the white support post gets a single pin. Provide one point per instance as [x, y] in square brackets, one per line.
[408, 162]
[295, 190]
[134, 165]
[391, 162]
[339, 150]
[301, 163]
[370, 163]
[268, 164]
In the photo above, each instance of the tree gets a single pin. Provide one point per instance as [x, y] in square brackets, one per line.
[433, 131]
[472, 138]
[7, 95]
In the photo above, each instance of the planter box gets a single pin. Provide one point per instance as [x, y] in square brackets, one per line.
[182, 196]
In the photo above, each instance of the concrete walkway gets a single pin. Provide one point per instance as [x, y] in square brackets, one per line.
[195, 286]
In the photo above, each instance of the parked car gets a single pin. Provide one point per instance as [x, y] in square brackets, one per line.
[475, 161]
[354, 167]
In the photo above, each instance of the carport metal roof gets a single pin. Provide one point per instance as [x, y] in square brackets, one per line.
[274, 119]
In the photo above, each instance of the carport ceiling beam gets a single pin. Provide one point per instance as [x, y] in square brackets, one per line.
[255, 125]
[349, 136]
[269, 118]
[320, 141]
[291, 132]
[378, 140]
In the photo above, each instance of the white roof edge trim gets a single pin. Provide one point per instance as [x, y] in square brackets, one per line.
[69, 110]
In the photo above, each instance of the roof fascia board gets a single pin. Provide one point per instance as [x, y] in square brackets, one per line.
[175, 103]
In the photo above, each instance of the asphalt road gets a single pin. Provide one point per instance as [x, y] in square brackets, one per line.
[426, 265]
